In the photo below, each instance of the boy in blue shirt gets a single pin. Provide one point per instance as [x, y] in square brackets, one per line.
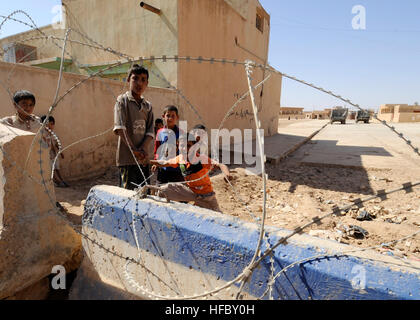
[166, 145]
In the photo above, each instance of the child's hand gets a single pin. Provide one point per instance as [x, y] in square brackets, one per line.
[145, 156]
[228, 178]
[140, 155]
[154, 168]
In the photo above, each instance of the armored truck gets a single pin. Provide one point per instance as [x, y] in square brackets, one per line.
[363, 115]
[339, 114]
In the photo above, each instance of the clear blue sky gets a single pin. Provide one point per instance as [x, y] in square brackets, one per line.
[314, 40]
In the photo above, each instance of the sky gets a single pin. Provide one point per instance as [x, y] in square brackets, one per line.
[317, 41]
[314, 40]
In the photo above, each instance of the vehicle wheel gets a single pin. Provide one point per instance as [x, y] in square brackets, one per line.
[367, 121]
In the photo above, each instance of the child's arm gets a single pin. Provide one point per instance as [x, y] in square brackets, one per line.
[149, 135]
[145, 146]
[126, 139]
[223, 167]
[161, 163]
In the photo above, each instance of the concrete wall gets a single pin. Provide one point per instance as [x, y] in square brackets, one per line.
[86, 111]
[209, 29]
[32, 237]
[187, 250]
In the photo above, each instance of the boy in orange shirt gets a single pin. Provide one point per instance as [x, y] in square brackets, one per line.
[198, 186]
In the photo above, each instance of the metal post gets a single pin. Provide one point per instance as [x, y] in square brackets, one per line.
[146, 6]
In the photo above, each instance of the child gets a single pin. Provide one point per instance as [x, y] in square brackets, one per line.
[195, 171]
[24, 102]
[200, 131]
[165, 146]
[48, 137]
[158, 125]
[133, 123]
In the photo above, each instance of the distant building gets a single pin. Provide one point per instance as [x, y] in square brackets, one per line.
[318, 114]
[399, 113]
[291, 113]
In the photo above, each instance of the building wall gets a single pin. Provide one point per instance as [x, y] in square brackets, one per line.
[292, 116]
[129, 29]
[85, 112]
[291, 113]
[216, 29]
[290, 110]
[399, 113]
[186, 28]
[325, 114]
[406, 113]
[45, 48]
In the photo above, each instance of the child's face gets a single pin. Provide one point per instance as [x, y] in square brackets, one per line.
[138, 83]
[190, 144]
[184, 148]
[159, 126]
[25, 108]
[170, 118]
[51, 125]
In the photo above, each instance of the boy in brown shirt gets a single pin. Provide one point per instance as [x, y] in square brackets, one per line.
[134, 125]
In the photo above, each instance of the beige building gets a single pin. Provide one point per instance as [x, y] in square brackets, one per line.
[230, 29]
[318, 114]
[399, 113]
[291, 113]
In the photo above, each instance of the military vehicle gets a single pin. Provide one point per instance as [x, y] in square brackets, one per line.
[363, 115]
[339, 114]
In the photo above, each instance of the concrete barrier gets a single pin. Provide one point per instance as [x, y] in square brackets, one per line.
[32, 237]
[183, 250]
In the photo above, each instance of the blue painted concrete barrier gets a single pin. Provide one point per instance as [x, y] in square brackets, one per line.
[196, 250]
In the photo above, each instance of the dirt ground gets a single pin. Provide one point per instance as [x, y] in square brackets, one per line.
[297, 193]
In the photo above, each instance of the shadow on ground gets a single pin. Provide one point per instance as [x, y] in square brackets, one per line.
[321, 164]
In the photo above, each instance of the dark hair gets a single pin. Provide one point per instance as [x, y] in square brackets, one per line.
[50, 119]
[199, 126]
[158, 120]
[22, 95]
[170, 108]
[191, 138]
[137, 69]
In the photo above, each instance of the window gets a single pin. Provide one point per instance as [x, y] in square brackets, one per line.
[18, 53]
[259, 23]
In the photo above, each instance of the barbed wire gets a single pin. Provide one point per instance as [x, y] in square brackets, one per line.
[234, 62]
[326, 255]
[55, 104]
[248, 65]
[408, 187]
[260, 146]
